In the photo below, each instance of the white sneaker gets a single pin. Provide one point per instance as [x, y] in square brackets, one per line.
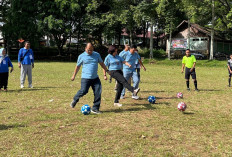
[117, 105]
[30, 86]
[122, 97]
[22, 86]
[135, 97]
[136, 91]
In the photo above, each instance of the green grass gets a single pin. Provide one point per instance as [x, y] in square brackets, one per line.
[31, 125]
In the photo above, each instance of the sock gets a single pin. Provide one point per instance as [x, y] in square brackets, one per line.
[229, 80]
[195, 84]
[187, 83]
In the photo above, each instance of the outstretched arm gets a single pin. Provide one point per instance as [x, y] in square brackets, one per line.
[77, 68]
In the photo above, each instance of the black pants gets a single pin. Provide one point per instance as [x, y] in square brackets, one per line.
[118, 75]
[4, 80]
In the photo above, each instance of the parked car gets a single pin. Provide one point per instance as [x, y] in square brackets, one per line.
[198, 55]
[220, 56]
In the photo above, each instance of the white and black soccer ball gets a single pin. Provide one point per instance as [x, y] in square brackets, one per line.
[182, 106]
[85, 109]
[151, 99]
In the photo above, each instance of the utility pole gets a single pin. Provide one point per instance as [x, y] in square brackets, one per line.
[212, 33]
[188, 33]
[151, 40]
[170, 41]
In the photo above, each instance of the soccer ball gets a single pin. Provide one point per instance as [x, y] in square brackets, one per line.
[151, 99]
[179, 95]
[85, 109]
[181, 106]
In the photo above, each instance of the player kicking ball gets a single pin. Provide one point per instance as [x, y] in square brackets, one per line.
[189, 63]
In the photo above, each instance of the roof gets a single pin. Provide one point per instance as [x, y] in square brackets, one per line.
[201, 29]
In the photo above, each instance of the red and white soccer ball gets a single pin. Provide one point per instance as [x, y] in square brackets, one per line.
[179, 95]
[181, 106]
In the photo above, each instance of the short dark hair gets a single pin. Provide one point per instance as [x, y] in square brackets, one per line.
[187, 50]
[26, 42]
[111, 49]
[133, 46]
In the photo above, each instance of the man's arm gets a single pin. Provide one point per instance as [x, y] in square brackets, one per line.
[19, 56]
[126, 63]
[141, 63]
[194, 64]
[183, 65]
[104, 67]
[77, 68]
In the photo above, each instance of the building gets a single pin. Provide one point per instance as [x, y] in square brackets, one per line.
[199, 41]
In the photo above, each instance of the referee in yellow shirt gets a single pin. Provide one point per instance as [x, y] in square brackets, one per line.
[189, 62]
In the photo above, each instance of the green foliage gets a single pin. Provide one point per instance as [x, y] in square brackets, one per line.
[157, 53]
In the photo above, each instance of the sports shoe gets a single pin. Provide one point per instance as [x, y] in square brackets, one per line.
[73, 104]
[122, 97]
[136, 91]
[188, 89]
[30, 86]
[117, 105]
[5, 90]
[96, 112]
[229, 85]
[135, 97]
[196, 90]
[22, 86]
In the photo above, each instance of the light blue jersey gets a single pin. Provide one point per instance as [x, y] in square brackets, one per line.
[131, 59]
[114, 62]
[89, 64]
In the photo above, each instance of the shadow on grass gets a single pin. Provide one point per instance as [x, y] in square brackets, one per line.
[209, 90]
[160, 91]
[163, 103]
[6, 127]
[167, 97]
[120, 110]
[188, 113]
[25, 90]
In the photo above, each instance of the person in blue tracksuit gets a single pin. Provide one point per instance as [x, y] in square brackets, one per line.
[26, 63]
[5, 63]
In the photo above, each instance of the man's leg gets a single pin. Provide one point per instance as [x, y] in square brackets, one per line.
[135, 80]
[29, 74]
[97, 90]
[187, 76]
[85, 84]
[127, 76]
[229, 80]
[23, 75]
[194, 77]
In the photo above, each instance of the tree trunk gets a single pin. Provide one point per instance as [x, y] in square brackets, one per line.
[170, 43]
[144, 34]
[151, 41]
[212, 33]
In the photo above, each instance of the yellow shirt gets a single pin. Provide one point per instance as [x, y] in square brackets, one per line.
[188, 61]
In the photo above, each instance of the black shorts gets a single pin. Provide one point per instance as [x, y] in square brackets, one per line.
[188, 73]
[229, 72]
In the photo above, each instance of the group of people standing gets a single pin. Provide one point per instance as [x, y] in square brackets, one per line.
[25, 62]
[121, 67]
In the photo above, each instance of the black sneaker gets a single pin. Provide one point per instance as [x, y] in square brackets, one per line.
[96, 112]
[196, 90]
[188, 89]
[229, 85]
[73, 104]
[136, 91]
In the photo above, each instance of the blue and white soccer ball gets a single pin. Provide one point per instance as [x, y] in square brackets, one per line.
[85, 109]
[151, 99]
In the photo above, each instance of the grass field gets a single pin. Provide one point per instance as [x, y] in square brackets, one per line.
[40, 122]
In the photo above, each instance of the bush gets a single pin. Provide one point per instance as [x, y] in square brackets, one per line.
[157, 53]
